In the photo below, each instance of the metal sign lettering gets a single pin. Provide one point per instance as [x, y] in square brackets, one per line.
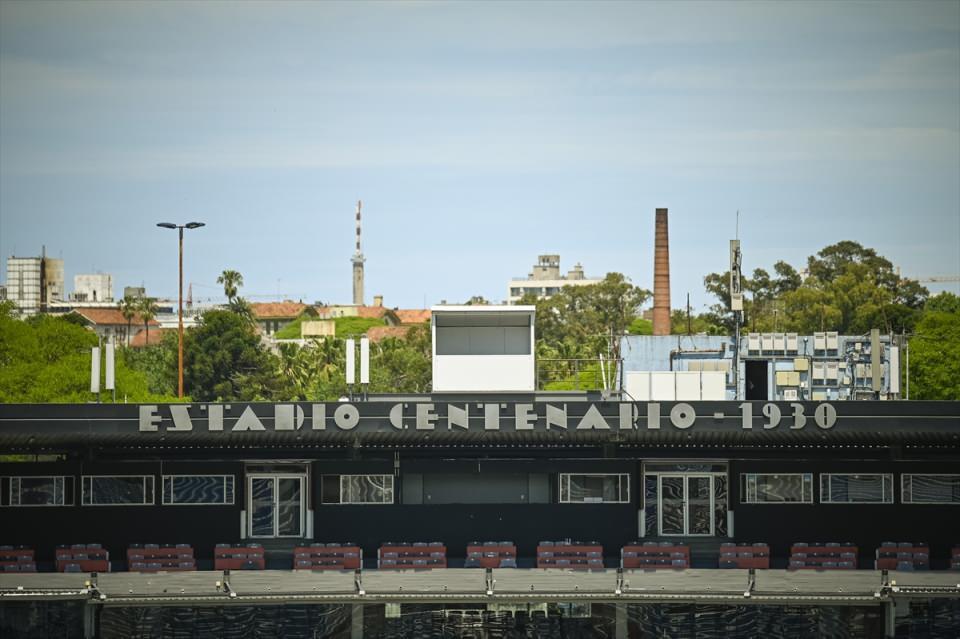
[474, 416]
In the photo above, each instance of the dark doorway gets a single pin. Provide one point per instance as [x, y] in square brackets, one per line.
[756, 379]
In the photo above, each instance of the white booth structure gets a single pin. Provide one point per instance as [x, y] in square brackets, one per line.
[483, 349]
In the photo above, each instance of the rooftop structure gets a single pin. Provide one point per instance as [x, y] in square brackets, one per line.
[483, 349]
[769, 366]
[95, 287]
[545, 280]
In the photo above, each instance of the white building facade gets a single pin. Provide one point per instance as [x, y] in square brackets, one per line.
[546, 281]
[95, 287]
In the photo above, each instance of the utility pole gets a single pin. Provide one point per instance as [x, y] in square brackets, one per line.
[736, 303]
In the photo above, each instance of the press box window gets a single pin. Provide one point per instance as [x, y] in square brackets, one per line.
[594, 489]
[36, 491]
[197, 490]
[930, 489]
[856, 489]
[357, 489]
[790, 488]
[117, 490]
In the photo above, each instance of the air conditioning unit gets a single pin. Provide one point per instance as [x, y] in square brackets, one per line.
[793, 343]
[819, 341]
[833, 341]
[790, 394]
[766, 342]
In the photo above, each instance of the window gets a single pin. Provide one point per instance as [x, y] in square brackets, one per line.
[37, 491]
[357, 489]
[594, 489]
[856, 489]
[930, 489]
[117, 490]
[210, 490]
[784, 488]
[475, 488]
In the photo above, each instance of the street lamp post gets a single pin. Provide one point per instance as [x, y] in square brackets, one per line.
[180, 227]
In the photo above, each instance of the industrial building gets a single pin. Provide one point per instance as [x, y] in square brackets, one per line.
[545, 280]
[824, 366]
[34, 282]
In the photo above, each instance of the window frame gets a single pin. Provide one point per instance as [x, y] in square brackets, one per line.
[885, 499]
[744, 489]
[63, 493]
[341, 476]
[911, 502]
[152, 491]
[565, 478]
[233, 491]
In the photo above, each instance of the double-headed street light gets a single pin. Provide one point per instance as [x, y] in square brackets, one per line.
[180, 227]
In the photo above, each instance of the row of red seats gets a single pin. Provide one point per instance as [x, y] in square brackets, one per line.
[82, 558]
[904, 555]
[570, 554]
[491, 554]
[160, 557]
[334, 556]
[745, 556]
[238, 557]
[17, 559]
[561, 554]
[417, 555]
[652, 555]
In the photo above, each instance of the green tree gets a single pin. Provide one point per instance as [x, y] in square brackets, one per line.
[849, 288]
[157, 363]
[944, 302]
[225, 360]
[148, 312]
[47, 360]
[584, 322]
[129, 306]
[232, 281]
[935, 357]
[242, 308]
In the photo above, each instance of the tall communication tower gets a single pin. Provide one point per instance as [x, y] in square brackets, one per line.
[357, 261]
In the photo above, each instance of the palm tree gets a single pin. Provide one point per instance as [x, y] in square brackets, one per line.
[148, 311]
[232, 281]
[128, 308]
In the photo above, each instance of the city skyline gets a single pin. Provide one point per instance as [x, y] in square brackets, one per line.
[478, 137]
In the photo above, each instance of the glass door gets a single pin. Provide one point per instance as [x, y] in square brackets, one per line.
[686, 504]
[275, 505]
[672, 501]
[699, 509]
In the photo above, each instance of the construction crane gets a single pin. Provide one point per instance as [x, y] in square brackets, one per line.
[937, 279]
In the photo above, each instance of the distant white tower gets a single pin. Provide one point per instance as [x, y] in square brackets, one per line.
[358, 264]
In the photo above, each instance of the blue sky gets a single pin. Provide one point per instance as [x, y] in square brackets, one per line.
[478, 136]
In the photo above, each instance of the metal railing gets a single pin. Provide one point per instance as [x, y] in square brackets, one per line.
[578, 374]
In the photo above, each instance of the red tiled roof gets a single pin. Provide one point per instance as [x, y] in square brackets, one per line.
[156, 337]
[110, 317]
[413, 315]
[274, 310]
[377, 333]
[372, 312]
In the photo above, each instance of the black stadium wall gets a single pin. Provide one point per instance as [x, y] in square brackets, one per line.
[116, 527]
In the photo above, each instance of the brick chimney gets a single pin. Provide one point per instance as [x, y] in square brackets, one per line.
[661, 276]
